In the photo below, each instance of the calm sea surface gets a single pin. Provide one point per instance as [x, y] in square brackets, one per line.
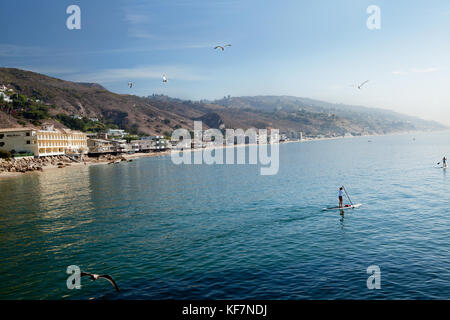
[226, 232]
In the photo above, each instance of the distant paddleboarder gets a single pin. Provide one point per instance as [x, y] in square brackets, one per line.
[341, 206]
[341, 195]
[444, 162]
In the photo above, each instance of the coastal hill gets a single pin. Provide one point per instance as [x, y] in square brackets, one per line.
[38, 99]
[339, 118]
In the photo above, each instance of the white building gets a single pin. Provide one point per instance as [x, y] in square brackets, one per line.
[5, 97]
[48, 142]
[116, 133]
[157, 143]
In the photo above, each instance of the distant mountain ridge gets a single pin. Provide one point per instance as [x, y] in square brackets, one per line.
[373, 119]
[48, 99]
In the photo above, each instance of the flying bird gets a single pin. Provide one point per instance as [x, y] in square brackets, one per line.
[222, 47]
[98, 276]
[130, 84]
[360, 86]
[164, 78]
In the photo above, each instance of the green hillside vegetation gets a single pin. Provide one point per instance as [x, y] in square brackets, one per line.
[28, 109]
[23, 108]
[84, 124]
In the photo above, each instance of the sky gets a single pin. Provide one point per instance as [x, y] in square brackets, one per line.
[316, 49]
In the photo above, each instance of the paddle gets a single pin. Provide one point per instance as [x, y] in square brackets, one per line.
[348, 196]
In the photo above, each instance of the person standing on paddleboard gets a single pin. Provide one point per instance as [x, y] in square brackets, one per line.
[444, 162]
[341, 195]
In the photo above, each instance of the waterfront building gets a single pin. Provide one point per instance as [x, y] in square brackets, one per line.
[143, 145]
[156, 143]
[97, 146]
[40, 143]
[121, 146]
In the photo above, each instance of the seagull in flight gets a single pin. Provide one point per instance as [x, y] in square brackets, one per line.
[98, 276]
[222, 47]
[164, 78]
[360, 86]
[130, 84]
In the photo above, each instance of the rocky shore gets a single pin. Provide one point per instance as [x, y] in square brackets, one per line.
[30, 164]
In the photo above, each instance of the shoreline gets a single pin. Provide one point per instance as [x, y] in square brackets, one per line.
[128, 157]
[92, 161]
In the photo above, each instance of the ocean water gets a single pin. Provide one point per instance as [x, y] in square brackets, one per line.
[166, 231]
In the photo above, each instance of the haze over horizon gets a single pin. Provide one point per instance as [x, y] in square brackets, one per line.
[296, 48]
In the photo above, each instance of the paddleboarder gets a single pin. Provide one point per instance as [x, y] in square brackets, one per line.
[444, 162]
[341, 195]
[341, 206]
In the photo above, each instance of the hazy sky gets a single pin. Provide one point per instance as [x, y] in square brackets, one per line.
[315, 49]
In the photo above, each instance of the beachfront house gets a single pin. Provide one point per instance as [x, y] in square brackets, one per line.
[144, 145]
[41, 143]
[161, 144]
[150, 144]
[98, 146]
[116, 133]
[135, 147]
[121, 146]
[158, 143]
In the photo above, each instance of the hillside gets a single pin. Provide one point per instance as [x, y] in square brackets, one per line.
[343, 117]
[38, 98]
[90, 101]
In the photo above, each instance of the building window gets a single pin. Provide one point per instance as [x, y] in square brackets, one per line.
[2, 144]
[28, 142]
[2, 136]
[27, 134]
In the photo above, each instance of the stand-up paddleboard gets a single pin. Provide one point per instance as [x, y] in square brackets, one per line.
[444, 165]
[354, 206]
